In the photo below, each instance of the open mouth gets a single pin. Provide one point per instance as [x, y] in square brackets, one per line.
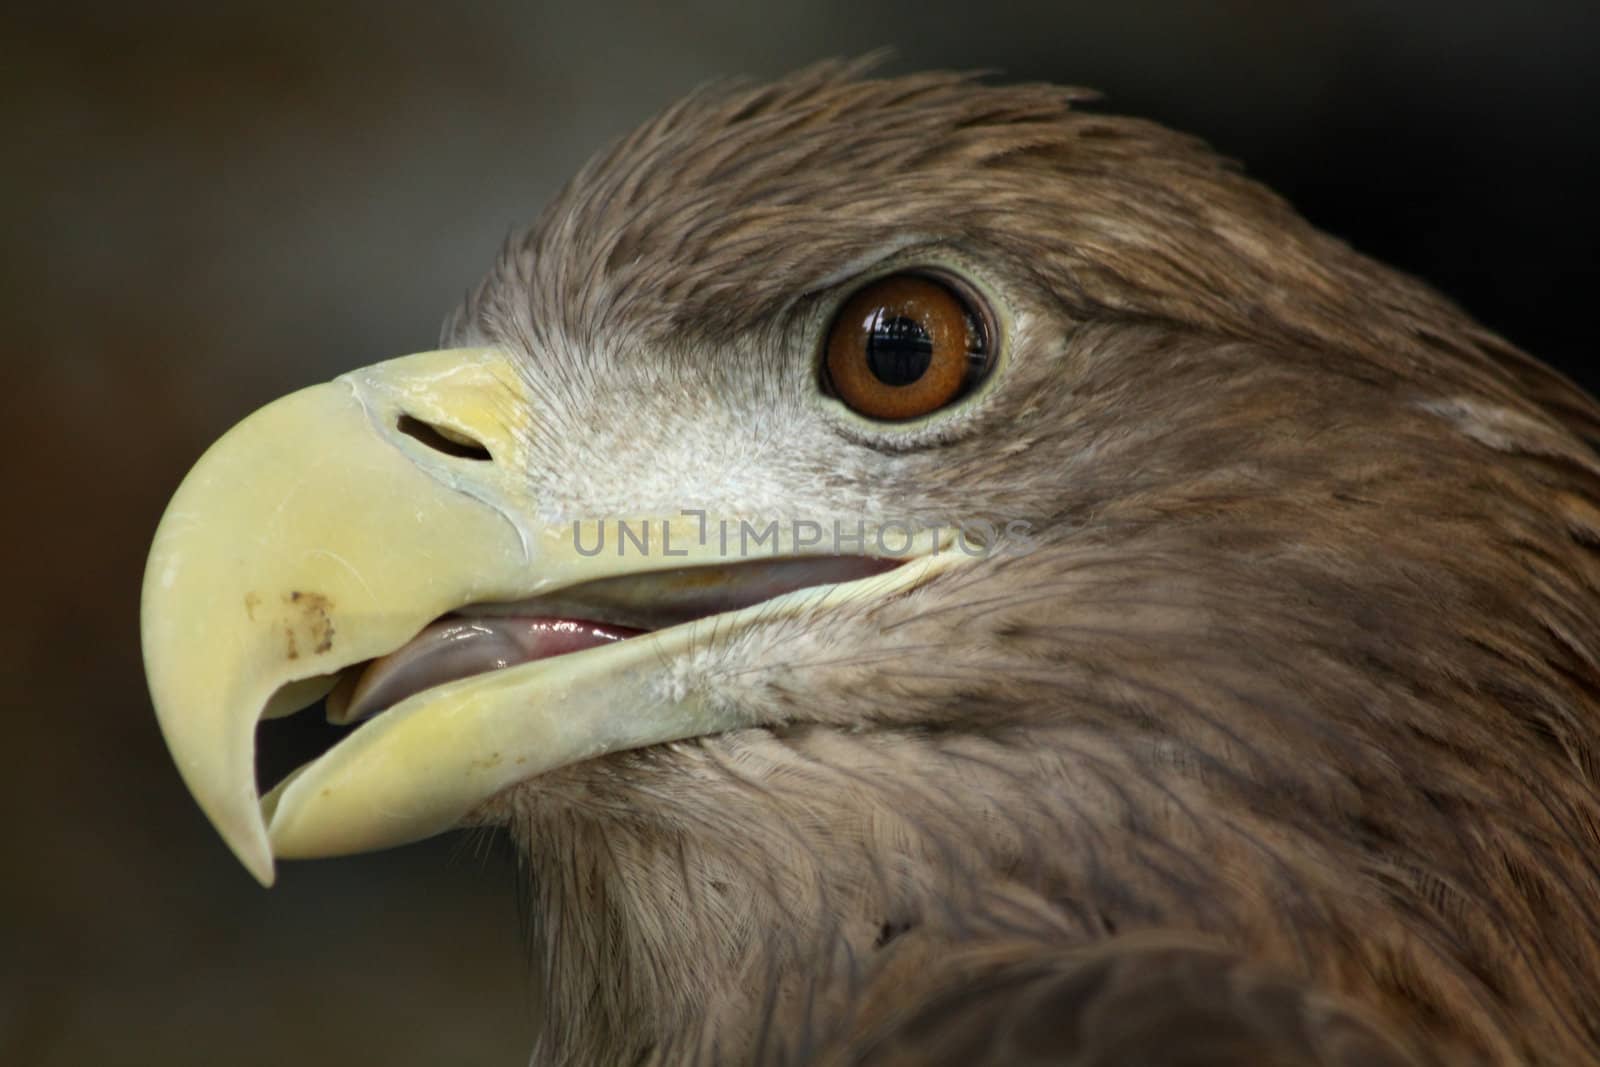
[493, 694]
[479, 639]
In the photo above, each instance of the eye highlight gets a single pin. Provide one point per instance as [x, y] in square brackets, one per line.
[905, 346]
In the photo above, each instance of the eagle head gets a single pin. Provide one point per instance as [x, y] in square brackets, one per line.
[922, 569]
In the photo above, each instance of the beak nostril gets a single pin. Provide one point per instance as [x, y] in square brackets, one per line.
[442, 439]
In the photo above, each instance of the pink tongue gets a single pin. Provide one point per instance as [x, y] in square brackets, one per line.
[457, 647]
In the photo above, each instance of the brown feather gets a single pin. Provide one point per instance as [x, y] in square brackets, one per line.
[1279, 740]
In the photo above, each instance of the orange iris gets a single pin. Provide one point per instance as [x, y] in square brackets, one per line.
[902, 347]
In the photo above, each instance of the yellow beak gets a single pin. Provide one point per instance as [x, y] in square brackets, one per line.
[333, 525]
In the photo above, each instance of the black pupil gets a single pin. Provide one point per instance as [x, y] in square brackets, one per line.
[899, 350]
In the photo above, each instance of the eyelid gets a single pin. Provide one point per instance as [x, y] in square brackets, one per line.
[861, 271]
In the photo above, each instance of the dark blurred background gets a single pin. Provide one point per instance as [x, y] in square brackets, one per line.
[205, 209]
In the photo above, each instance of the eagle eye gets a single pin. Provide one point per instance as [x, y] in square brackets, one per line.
[905, 346]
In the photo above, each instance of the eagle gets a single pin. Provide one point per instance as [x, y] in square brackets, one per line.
[926, 571]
